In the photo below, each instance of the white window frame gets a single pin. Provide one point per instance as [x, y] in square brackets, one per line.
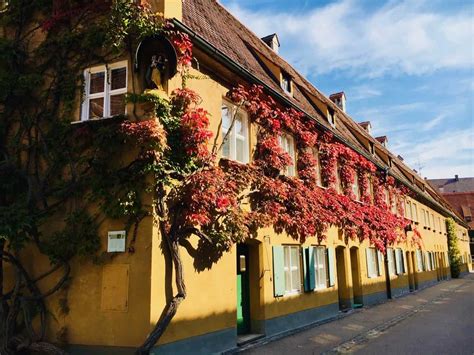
[391, 261]
[290, 149]
[288, 269]
[372, 263]
[414, 212]
[419, 260]
[107, 93]
[319, 176]
[320, 268]
[400, 263]
[233, 136]
[356, 187]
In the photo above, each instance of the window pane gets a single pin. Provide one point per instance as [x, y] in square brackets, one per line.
[240, 150]
[238, 124]
[294, 257]
[117, 105]
[119, 78]
[96, 107]
[295, 279]
[225, 115]
[97, 81]
[287, 269]
[226, 148]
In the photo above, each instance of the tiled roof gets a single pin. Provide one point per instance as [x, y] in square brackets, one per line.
[222, 30]
[454, 185]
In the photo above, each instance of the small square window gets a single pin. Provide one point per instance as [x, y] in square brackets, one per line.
[105, 89]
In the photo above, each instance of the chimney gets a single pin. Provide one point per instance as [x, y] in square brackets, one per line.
[339, 99]
[382, 140]
[456, 177]
[169, 8]
[272, 41]
[366, 126]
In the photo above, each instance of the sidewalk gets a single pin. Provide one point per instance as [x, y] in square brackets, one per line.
[360, 326]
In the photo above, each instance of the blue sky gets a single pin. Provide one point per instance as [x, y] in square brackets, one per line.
[406, 66]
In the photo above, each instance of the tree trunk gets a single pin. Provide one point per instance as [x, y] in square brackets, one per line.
[172, 306]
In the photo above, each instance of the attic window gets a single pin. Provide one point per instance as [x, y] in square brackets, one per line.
[389, 162]
[371, 148]
[286, 82]
[332, 118]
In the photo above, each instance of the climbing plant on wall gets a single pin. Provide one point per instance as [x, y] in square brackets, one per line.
[52, 170]
[453, 250]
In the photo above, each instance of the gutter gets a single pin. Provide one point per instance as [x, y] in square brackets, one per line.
[224, 59]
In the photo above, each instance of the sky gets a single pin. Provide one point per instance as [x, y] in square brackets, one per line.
[406, 66]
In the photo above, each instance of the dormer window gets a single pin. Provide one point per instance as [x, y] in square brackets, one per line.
[332, 118]
[286, 82]
[372, 148]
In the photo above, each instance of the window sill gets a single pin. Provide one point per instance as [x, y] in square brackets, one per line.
[92, 120]
[291, 293]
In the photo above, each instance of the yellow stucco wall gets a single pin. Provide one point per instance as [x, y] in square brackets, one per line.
[211, 302]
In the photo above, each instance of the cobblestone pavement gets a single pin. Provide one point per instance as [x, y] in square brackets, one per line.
[436, 320]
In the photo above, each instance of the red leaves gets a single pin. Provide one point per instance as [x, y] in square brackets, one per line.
[194, 128]
[148, 133]
[184, 48]
[300, 207]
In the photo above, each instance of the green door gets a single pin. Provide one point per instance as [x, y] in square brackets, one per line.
[243, 292]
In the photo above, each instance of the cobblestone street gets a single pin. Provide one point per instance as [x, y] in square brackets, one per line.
[436, 320]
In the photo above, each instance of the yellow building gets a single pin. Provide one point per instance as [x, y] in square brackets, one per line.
[271, 284]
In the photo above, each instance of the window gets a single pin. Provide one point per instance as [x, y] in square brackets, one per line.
[338, 179]
[399, 263]
[332, 118]
[408, 209]
[372, 148]
[391, 261]
[439, 223]
[414, 212]
[286, 82]
[394, 205]
[320, 267]
[355, 187]
[371, 189]
[292, 269]
[105, 89]
[319, 179]
[236, 135]
[287, 144]
[432, 221]
[372, 263]
[419, 260]
[387, 197]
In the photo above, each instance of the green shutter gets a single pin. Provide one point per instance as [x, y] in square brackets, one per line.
[278, 271]
[331, 266]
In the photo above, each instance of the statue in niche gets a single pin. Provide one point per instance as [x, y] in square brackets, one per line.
[155, 72]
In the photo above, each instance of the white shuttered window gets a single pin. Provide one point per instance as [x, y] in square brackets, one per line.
[292, 269]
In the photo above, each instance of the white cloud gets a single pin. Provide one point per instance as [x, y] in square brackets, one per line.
[400, 37]
[443, 155]
[362, 92]
[433, 122]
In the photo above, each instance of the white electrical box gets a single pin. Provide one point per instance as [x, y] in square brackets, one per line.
[116, 241]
